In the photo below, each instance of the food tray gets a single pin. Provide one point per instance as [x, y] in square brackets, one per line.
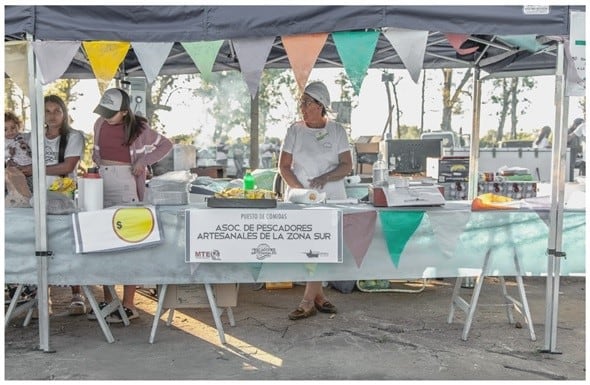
[241, 203]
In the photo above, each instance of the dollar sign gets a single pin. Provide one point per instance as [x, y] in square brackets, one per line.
[119, 225]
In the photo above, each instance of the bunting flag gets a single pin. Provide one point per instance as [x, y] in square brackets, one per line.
[16, 64]
[194, 267]
[203, 54]
[252, 53]
[410, 45]
[526, 42]
[302, 52]
[255, 270]
[456, 40]
[54, 58]
[311, 268]
[104, 58]
[356, 49]
[358, 231]
[151, 57]
[446, 239]
[398, 227]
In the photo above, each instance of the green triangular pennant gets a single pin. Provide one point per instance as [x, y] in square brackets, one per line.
[356, 49]
[255, 270]
[398, 227]
[203, 54]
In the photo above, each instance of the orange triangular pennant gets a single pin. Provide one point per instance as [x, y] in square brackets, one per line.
[303, 52]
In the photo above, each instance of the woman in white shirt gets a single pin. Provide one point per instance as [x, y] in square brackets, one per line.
[315, 154]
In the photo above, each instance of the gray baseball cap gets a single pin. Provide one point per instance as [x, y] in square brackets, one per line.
[113, 100]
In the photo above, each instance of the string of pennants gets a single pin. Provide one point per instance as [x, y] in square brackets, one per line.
[355, 49]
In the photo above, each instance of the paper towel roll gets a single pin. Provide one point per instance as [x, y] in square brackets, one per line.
[90, 194]
[302, 195]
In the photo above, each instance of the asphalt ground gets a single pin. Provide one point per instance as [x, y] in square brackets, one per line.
[374, 336]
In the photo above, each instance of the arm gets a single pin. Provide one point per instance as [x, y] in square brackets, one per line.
[285, 160]
[155, 148]
[343, 169]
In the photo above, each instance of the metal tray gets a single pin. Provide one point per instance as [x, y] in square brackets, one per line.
[241, 203]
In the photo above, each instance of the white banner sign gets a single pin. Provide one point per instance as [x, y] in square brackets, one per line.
[263, 235]
[116, 228]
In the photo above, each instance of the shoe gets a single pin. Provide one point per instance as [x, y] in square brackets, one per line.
[301, 313]
[326, 307]
[91, 316]
[115, 317]
[77, 306]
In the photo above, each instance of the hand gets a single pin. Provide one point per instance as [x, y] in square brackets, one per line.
[27, 170]
[318, 182]
[137, 169]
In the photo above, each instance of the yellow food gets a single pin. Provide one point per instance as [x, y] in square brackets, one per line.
[63, 185]
[238, 192]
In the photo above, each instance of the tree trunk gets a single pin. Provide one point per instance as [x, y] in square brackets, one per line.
[513, 107]
[422, 102]
[445, 124]
[503, 111]
[254, 137]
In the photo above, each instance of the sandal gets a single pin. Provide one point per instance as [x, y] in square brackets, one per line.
[91, 316]
[77, 306]
[301, 313]
[326, 307]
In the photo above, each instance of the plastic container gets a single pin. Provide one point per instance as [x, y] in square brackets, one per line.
[90, 191]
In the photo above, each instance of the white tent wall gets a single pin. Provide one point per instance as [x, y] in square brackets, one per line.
[196, 23]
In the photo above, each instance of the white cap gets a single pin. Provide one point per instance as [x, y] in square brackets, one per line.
[319, 92]
[113, 100]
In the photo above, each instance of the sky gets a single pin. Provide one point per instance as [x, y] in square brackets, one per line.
[368, 118]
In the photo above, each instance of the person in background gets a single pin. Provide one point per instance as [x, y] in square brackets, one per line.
[576, 137]
[64, 147]
[124, 146]
[315, 154]
[542, 140]
[267, 149]
[238, 152]
[221, 151]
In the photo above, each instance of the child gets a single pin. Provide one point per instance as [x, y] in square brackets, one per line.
[16, 148]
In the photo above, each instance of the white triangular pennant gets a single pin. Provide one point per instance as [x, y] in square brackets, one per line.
[410, 45]
[151, 56]
[54, 58]
[16, 64]
[252, 53]
[447, 237]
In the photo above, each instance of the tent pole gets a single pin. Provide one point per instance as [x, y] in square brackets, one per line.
[474, 145]
[40, 194]
[555, 244]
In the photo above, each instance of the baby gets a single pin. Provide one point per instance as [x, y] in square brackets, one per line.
[16, 148]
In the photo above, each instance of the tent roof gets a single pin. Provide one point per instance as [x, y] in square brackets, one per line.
[197, 23]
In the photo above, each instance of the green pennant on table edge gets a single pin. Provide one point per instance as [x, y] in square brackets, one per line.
[255, 269]
[398, 227]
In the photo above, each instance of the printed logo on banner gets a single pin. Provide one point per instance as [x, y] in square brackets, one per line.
[263, 251]
[213, 255]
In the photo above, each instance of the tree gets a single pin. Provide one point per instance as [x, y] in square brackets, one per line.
[14, 99]
[509, 97]
[452, 99]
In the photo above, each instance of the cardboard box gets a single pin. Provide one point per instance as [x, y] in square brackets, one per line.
[195, 295]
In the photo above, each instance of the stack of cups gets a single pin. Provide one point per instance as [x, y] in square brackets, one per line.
[90, 191]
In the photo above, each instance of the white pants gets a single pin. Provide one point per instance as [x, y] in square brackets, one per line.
[119, 187]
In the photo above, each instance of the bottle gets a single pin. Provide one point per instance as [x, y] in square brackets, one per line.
[90, 191]
[249, 184]
[380, 173]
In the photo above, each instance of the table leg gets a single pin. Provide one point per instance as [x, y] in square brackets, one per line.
[215, 311]
[161, 296]
[99, 318]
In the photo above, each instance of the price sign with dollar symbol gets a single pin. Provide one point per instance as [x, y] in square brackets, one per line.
[133, 224]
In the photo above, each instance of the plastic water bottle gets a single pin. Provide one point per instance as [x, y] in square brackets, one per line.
[249, 183]
[380, 173]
